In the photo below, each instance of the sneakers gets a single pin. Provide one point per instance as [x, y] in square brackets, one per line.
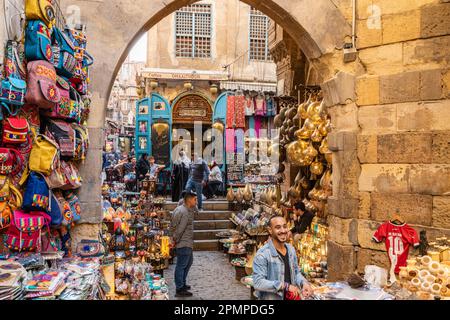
[183, 293]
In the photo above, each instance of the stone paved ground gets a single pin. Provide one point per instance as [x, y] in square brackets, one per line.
[211, 278]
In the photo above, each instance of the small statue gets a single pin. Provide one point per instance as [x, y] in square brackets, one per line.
[423, 246]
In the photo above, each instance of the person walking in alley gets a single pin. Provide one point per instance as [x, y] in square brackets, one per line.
[302, 220]
[142, 167]
[182, 230]
[198, 177]
[276, 274]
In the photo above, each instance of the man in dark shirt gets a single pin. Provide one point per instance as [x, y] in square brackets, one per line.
[302, 219]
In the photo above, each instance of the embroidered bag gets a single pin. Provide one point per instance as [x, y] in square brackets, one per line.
[76, 105]
[13, 91]
[38, 42]
[81, 141]
[64, 135]
[14, 61]
[37, 194]
[11, 161]
[73, 179]
[56, 179]
[56, 212]
[41, 85]
[44, 155]
[62, 109]
[40, 10]
[64, 54]
[65, 209]
[10, 199]
[25, 231]
[74, 204]
[15, 130]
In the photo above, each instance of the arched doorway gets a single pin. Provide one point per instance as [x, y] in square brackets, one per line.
[189, 109]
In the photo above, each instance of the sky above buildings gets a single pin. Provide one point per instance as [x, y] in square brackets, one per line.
[139, 51]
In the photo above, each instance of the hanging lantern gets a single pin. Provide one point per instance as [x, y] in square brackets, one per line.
[188, 85]
[136, 234]
[153, 84]
[213, 89]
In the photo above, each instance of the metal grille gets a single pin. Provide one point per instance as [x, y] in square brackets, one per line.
[258, 36]
[193, 31]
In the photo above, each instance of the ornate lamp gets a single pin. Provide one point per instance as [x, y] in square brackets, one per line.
[137, 234]
[213, 89]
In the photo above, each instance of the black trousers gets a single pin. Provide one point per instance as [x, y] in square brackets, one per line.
[211, 188]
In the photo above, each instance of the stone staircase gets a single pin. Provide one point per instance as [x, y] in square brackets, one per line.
[207, 223]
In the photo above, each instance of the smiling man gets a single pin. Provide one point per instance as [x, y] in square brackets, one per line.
[276, 275]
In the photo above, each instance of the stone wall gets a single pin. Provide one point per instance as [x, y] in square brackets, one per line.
[391, 141]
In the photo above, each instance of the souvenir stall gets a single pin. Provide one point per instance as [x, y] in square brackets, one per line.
[136, 234]
[45, 102]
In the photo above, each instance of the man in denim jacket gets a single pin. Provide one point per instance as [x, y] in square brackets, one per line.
[275, 266]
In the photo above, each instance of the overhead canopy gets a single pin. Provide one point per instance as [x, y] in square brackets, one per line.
[251, 86]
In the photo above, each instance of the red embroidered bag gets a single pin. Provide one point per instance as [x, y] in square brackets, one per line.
[41, 85]
[15, 130]
[11, 161]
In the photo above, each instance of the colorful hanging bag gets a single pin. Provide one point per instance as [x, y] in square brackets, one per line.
[64, 54]
[44, 155]
[11, 161]
[37, 194]
[64, 135]
[40, 10]
[41, 86]
[15, 131]
[38, 42]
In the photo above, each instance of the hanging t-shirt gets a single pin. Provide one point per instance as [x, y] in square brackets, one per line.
[249, 106]
[398, 238]
[271, 106]
[260, 106]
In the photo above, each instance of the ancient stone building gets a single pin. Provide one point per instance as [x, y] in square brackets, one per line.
[390, 107]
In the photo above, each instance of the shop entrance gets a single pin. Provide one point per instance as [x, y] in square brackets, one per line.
[188, 109]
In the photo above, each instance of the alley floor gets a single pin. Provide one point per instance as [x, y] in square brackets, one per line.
[211, 278]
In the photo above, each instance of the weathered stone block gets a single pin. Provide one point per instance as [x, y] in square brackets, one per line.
[423, 116]
[341, 261]
[446, 84]
[339, 90]
[367, 148]
[441, 147]
[367, 257]
[441, 212]
[343, 208]
[384, 178]
[377, 119]
[368, 36]
[401, 27]
[431, 179]
[401, 87]
[427, 53]
[387, 59]
[91, 212]
[368, 90]
[364, 205]
[435, 20]
[344, 117]
[366, 229]
[414, 208]
[84, 231]
[404, 148]
[430, 84]
[96, 138]
[342, 231]
[342, 140]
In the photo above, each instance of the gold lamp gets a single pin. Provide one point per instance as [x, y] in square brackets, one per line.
[188, 85]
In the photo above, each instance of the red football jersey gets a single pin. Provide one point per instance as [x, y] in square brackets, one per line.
[398, 239]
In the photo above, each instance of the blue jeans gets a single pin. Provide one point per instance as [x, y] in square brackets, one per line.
[198, 188]
[185, 258]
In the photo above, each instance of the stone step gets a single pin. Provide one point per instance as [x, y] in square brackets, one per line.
[206, 245]
[212, 224]
[207, 234]
[207, 205]
[213, 215]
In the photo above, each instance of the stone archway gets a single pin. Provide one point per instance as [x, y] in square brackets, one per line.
[317, 26]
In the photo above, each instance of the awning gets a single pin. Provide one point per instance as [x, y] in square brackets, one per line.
[251, 86]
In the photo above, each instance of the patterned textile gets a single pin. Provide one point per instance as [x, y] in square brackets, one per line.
[240, 111]
[230, 112]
